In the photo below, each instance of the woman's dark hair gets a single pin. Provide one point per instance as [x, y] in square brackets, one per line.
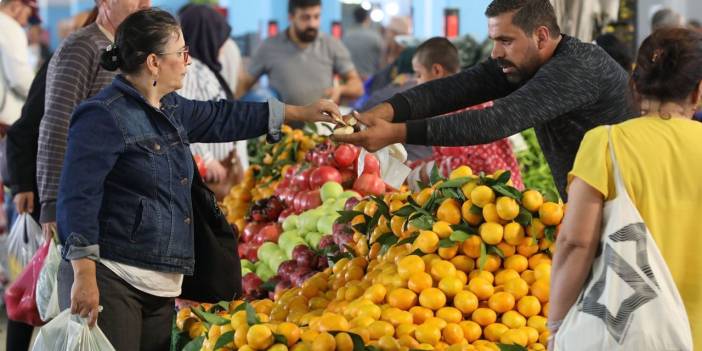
[142, 33]
[669, 64]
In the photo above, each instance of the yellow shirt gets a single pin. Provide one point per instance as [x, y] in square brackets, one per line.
[661, 163]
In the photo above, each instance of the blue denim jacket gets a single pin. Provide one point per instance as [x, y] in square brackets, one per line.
[124, 193]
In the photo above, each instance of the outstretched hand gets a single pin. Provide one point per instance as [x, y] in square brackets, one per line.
[320, 111]
[378, 133]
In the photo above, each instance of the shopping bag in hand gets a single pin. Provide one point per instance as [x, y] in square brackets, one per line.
[46, 287]
[24, 240]
[20, 297]
[68, 332]
[630, 301]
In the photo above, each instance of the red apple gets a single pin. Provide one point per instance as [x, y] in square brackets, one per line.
[344, 155]
[250, 231]
[322, 175]
[326, 241]
[312, 200]
[369, 184]
[270, 232]
[251, 283]
[301, 180]
[286, 269]
[347, 177]
[298, 201]
[285, 214]
[371, 165]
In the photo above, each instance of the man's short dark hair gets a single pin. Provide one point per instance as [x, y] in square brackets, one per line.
[438, 50]
[528, 14]
[302, 4]
[360, 14]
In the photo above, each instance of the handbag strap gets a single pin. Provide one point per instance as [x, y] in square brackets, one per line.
[619, 187]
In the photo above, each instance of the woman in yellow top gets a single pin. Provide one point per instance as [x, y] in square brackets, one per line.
[660, 158]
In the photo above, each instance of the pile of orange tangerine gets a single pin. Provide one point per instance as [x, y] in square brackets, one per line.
[428, 294]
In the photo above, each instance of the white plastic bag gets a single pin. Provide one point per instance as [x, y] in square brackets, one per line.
[24, 240]
[69, 332]
[630, 301]
[47, 288]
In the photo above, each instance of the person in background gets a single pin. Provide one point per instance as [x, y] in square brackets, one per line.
[658, 156]
[230, 59]
[666, 18]
[616, 49]
[365, 44]
[38, 47]
[16, 70]
[207, 31]
[437, 58]
[398, 26]
[301, 62]
[72, 24]
[124, 204]
[74, 75]
[537, 77]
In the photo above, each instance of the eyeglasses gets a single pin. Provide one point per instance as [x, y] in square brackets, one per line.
[184, 51]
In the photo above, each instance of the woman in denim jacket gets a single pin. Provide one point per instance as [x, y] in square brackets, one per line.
[124, 206]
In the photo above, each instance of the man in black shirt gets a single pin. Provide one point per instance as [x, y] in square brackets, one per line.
[536, 76]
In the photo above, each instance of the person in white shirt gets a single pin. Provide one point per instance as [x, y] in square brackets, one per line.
[16, 72]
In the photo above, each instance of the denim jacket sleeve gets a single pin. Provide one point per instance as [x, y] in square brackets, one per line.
[229, 120]
[95, 142]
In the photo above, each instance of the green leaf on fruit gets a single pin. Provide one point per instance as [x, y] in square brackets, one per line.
[224, 305]
[224, 340]
[455, 183]
[347, 216]
[551, 195]
[524, 218]
[417, 252]
[358, 344]
[361, 227]
[483, 256]
[210, 318]
[446, 242]
[251, 317]
[474, 209]
[405, 211]
[336, 258]
[196, 344]
[386, 241]
[550, 233]
[383, 208]
[495, 251]
[371, 348]
[507, 190]
[459, 236]
[504, 177]
[422, 185]
[435, 177]
[278, 339]
[408, 240]
[513, 347]
[423, 222]
[464, 227]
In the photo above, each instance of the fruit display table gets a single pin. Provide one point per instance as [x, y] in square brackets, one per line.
[334, 260]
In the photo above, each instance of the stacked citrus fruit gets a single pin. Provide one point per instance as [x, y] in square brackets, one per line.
[464, 264]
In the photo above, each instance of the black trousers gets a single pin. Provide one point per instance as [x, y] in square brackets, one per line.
[131, 319]
[19, 336]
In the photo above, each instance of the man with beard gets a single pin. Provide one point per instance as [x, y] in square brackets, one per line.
[536, 76]
[301, 62]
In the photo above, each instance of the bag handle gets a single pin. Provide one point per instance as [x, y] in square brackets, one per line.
[619, 186]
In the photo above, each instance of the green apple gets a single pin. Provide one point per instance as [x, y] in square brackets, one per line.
[247, 264]
[326, 223]
[307, 221]
[290, 223]
[266, 249]
[287, 236]
[331, 190]
[264, 272]
[313, 239]
[245, 271]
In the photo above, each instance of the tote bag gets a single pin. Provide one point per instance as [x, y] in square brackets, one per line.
[630, 301]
